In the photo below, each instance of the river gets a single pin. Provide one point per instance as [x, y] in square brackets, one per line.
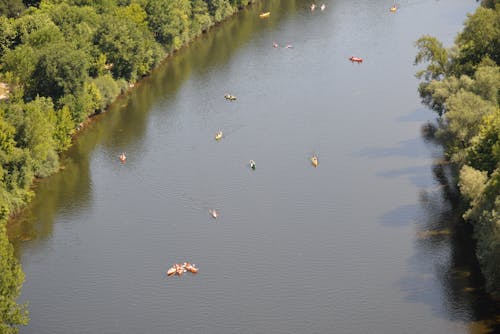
[364, 243]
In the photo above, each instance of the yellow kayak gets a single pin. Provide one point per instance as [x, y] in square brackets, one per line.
[314, 161]
[218, 135]
[263, 15]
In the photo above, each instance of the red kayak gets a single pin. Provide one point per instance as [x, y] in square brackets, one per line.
[356, 59]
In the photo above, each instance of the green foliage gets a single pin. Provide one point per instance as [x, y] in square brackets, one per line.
[432, 51]
[30, 24]
[131, 52]
[487, 83]
[485, 215]
[435, 93]
[61, 69]
[108, 89]
[489, 3]
[479, 39]
[11, 8]
[484, 153]
[472, 182]
[201, 19]
[15, 162]
[21, 63]
[11, 280]
[36, 133]
[83, 103]
[135, 13]
[169, 20]
[64, 129]
[463, 88]
[78, 24]
[7, 34]
[465, 112]
[220, 9]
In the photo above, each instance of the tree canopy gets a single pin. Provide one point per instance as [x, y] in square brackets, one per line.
[462, 84]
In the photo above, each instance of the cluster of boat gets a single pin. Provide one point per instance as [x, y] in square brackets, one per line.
[179, 269]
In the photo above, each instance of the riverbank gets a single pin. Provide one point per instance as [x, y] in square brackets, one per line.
[462, 88]
[70, 105]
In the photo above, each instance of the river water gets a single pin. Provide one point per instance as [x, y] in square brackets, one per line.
[361, 244]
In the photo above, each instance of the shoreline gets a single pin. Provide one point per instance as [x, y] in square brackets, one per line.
[131, 86]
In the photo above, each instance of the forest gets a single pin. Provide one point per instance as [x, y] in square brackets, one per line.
[62, 61]
[462, 85]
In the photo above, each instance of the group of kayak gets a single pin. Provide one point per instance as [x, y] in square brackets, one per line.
[179, 269]
[312, 7]
[219, 134]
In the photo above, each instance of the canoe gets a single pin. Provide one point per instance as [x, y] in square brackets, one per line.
[191, 268]
[314, 161]
[263, 15]
[393, 9]
[230, 97]
[356, 59]
[171, 271]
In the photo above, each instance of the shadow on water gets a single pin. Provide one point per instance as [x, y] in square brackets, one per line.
[411, 148]
[416, 174]
[444, 265]
[126, 120]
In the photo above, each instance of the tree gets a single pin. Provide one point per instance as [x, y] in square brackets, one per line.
[61, 69]
[108, 89]
[487, 83]
[11, 8]
[201, 19]
[484, 153]
[431, 50]
[36, 133]
[7, 34]
[78, 24]
[465, 112]
[64, 128]
[169, 21]
[435, 93]
[480, 38]
[21, 63]
[131, 52]
[11, 280]
[472, 182]
[220, 9]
